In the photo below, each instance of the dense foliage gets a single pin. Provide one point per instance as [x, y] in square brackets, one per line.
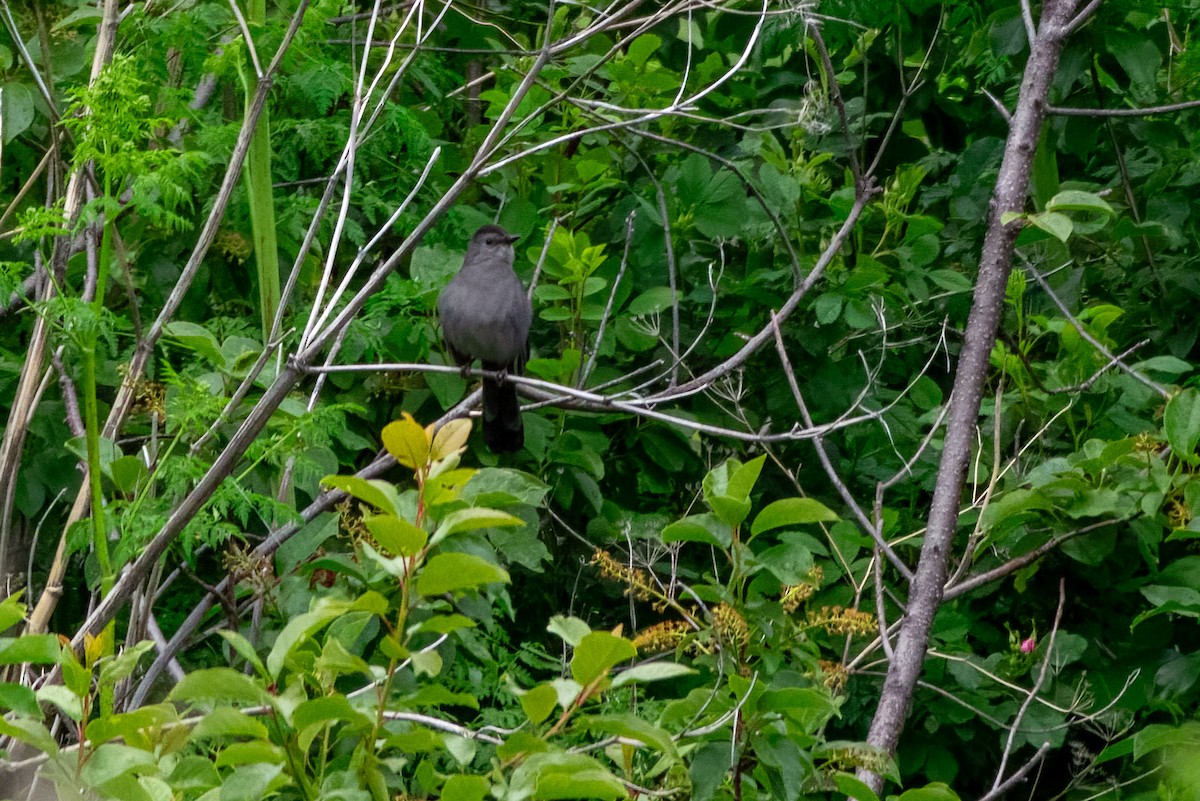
[753, 233]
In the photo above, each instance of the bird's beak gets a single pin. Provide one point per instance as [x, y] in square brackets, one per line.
[513, 238]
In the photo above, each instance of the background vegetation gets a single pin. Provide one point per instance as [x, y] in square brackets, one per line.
[862, 423]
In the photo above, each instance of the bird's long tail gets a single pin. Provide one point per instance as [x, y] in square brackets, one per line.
[503, 430]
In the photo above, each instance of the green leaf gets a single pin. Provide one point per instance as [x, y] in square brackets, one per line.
[652, 301]
[12, 611]
[19, 698]
[853, 788]
[127, 473]
[597, 653]
[791, 512]
[329, 710]
[1075, 200]
[706, 528]
[936, 791]
[1181, 422]
[453, 572]
[1057, 225]
[211, 687]
[1158, 736]
[299, 630]
[558, 775]
[244, 649]
[379, 494]
[633, 728]
[197, 339]
[571, 629]
[471, 519]
[64, 699]
[35, 649]
[16, 110]
[396, 534]
[641, 48]
[465, 788]
[112, 760]
[226, 721]
[651, 671]
[539, 702]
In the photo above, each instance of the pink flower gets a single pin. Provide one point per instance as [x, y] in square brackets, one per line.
[1028, 646]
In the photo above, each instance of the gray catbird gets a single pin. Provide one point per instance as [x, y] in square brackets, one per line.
[485, 315]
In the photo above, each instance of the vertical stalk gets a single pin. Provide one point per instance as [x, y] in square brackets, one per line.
[257, 173]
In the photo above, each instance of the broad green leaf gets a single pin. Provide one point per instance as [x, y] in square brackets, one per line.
[36, 649]
[379, 494]
[132, 726]
[112, 760]
[299, 630]
[426, 663]
[743, 478]
[1076, 200]
[936, 791]
[571, 629]
[652, 301]
[492, 486]
[407, 442]
[244, 649]
[12, 611]
[539, 702]
[197, 339]
[251, 752]
[251, 782]
[128, 472]
[651, 671]
[122, 665]
[331, 710]
[30, 732]
[16, 109]
[1157, 736]
[19, 698]
[1181, 422]
[633, 728]
[471, 519]
[560, 775]
[211, 687]
[1057, 225]
[853, 788]
[64, 699]
[597, 653]
[465, 788]
[706, 528]
[396, 534]
[226, 721]
[791, 512]
[453, 572]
